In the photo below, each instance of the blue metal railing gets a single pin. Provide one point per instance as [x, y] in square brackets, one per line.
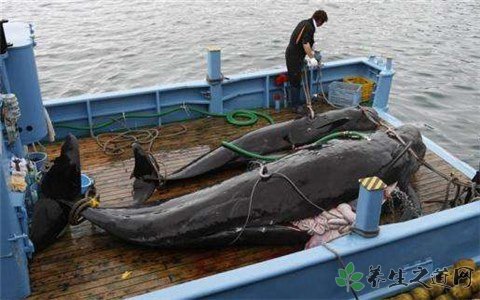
[217, 95]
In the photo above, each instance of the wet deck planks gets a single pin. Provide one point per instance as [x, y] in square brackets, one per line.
[87, 263]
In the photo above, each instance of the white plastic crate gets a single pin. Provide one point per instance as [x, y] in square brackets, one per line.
[342, 94]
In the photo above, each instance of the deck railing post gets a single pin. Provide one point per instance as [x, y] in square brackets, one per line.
[215, 79]
[384, 84]
[369, 206]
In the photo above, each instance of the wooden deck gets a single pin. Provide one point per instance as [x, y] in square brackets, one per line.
[88, 263]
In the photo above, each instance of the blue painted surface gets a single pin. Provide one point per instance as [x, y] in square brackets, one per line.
[4, 82]
[384, 83]
[22, 78]
[14, 242]
[214, 70]
[86, 182]
[369, 207]
[215, 78]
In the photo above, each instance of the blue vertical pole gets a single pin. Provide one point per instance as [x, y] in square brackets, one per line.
[369, 206]
[21, 68]
[384, 84]
[214, 79]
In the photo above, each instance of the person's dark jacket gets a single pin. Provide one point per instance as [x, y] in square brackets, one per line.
[302, 34]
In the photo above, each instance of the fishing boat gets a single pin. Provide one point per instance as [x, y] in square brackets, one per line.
[191, 118]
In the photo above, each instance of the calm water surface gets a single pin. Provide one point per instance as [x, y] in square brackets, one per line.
[97, 46]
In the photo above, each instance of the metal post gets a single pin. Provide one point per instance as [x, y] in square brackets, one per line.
[369, 206]
[214, 79]
[384, 84]
[388, 65]
[21, 68]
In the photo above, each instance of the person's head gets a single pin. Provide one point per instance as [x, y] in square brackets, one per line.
[320, 17]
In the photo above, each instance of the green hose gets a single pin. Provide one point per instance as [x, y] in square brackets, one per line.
[249, 154]
[341, 134]
[323, 140]
[251, 117]
[95, 127]
[240, 117]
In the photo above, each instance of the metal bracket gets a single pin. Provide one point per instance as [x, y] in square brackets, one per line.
[23, 220]
[7, 255]
[206, 94]
[15, 237]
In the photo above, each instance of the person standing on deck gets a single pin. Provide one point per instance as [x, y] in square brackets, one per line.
[301, 44]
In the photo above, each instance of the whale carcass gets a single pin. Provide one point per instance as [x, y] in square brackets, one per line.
[266, 140]
[259, 206]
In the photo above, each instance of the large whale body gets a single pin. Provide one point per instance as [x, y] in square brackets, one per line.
[268, 139]
[217, 215]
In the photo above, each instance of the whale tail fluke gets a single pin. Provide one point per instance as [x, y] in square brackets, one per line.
[146, 173]
[60, 188]
[62, 180]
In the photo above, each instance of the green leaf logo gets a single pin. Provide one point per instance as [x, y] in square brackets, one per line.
[350, 268]
[340, 281]
[349, 278]
[357, 276]
[357, 286]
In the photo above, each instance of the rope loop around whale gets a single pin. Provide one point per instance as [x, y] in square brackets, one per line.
[91, 199]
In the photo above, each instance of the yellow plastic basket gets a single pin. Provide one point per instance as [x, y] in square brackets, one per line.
[367, 86]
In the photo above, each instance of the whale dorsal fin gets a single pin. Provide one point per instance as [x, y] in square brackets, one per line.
[146, 173]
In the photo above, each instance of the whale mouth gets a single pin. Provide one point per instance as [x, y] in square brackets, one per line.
[275, 234]
[308, 232]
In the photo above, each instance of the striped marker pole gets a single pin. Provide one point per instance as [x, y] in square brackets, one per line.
[369, 206]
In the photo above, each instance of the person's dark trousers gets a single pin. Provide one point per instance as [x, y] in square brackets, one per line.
[294, 68]
[295, 90]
